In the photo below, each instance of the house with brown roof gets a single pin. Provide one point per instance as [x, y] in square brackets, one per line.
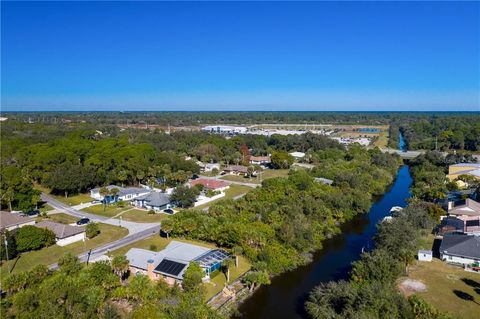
[212, 184]
[236, 169]
[64, 234]
[466, 216]
[11, 221]
[260, 160]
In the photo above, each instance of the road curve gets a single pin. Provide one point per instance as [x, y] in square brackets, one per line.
[137, 231]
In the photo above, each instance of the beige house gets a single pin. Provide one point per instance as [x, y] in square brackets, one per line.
[11, 221]
[472, 169]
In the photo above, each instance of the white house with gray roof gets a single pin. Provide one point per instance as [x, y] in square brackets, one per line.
[460, 249]
[64, 234]
[171, 263]
[156, 201]
[124, 193]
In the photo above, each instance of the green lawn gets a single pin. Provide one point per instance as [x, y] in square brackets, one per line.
[70, 200]
[444, 285]
[60, 218]
[217, 283]
[142, 216]
[231, 192]
[108, 211]
[51, 254]
[266, 174]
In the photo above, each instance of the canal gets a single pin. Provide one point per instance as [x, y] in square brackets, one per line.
[286, 296]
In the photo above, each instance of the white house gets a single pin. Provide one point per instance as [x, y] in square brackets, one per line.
[155, 200]
[425, 255]
[171, 263]
[64, 234]
[10, 221]
[298, 155]
[460, 249]
[210, 166]
[124, 193]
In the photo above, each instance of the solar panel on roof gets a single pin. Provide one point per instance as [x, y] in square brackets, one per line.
[170, 267]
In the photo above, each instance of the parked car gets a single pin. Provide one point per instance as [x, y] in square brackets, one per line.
[169, 211]
[194, 176]
[83, 221]
[32, 213]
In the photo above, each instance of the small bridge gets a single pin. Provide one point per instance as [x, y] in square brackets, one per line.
[403, 154]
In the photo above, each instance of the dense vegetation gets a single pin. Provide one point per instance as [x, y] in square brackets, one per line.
[98, 291]
[371, 291]
[278, 225]
[438, 132]
[76, 158]
[429, 174]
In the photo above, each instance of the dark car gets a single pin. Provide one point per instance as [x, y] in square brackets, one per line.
[195, 176]
[168, 211]
[32, 213]
[83, 221]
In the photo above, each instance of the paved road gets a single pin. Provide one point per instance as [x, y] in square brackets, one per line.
[136, 231]
[131, 226]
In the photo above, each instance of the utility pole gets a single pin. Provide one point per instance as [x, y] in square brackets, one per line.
[88, 256]
[6, 251]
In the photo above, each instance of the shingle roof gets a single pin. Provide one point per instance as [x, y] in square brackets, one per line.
[155, 199]
[9, 219]
[461, 245]
[122, 191]
[466, 165]
[470, 208]
[239, 168]
[260, 158]
[61, 230]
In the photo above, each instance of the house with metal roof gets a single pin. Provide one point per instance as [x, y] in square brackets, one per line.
[460, 249]
[171, 263]
[64, 234]
[156, 201]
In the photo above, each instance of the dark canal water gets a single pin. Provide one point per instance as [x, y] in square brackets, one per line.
[286, 296]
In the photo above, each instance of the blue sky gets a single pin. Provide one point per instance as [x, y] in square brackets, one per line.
[240, 56]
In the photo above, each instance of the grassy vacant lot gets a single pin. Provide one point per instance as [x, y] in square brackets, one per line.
[142, 216]
[70, 200]
[107, 211]
[215, 285]
[50, 255]
[60, 218]
[232, 192]
[266, 174]
[449, 288]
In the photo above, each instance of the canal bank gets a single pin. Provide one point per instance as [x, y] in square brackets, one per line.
[286, 296]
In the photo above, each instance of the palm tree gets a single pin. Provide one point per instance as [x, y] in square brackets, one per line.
[104, 192]
[226, 265]
[8, 196]
[120, 266]
[237, 250]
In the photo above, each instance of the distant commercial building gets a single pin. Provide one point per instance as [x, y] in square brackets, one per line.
[225, 129]
[171, 263]
[471, 169]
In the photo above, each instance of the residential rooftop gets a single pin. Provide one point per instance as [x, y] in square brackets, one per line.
[8, 219]
[61, 230]
[461, 245]
[470, 208]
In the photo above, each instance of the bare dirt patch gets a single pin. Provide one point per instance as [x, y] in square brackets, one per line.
[410, 286]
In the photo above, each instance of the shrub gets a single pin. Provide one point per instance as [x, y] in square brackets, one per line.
[32, 238]
[151, 212]
[92, 230]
